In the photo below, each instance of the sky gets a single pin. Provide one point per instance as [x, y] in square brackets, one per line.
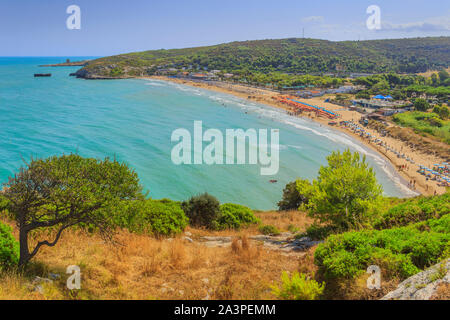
[108, 27]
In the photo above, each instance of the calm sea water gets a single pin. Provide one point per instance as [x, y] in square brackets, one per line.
[134, 119]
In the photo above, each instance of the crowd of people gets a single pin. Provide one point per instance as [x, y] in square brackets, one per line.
[440, 173]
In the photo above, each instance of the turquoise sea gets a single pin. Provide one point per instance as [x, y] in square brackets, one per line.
[134, 119]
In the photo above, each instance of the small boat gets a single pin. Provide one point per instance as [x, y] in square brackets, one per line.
[42, 75]
[273, 181]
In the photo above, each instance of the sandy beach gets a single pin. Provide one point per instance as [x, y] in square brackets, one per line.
[409, 170]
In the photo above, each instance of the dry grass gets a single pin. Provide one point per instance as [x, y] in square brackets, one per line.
[442, 292]
[356, 289]
[147, 268]
[142, 267]
[282, 220]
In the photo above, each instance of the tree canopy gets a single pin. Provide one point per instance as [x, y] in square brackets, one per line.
[345, 191]
[421, 104]
[60, 192]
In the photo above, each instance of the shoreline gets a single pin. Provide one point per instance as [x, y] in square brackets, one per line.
[408, 174]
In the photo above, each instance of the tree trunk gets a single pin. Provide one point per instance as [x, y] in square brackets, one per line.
[24, 252]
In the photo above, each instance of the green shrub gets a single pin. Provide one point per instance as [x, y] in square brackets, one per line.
[116, 72]
[345, 194]
[160, 218]
[435, 122]
[442, 111]
[421, 104]
[202, 210]
[9, 247]
[299, 287]
[3, 203]
[269, 230]
[402, 251]
[440, 273]
[292, 198]
[235, 216]
[317, 232]
[414, 210]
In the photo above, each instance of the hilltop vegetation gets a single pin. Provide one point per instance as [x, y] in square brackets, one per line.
[286, 56]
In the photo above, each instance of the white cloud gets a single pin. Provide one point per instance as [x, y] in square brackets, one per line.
[313, 19]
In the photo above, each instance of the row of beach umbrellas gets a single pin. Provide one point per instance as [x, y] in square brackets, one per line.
[434, 172]
[443, 166]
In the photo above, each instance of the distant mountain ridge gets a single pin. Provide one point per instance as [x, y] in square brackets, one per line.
[293, 55]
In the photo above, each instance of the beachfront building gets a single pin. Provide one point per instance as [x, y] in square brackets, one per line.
[199, 76]
[203, 76]
[166, 71]
[309, 93]
[378, 103]
[345, 89]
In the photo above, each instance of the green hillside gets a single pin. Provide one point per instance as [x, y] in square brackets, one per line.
[286, 55]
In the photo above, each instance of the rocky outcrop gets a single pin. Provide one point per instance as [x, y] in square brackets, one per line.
[112, 71]
[285, 242]
[212, 242]
[67, 64]
[423, 285]
[97, 73]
